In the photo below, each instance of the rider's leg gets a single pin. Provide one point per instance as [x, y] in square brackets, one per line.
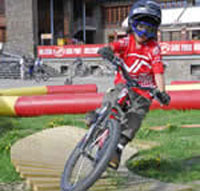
[110, 96]
[135, 117]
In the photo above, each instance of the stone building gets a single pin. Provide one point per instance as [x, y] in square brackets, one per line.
[2, 22]
[30, 23]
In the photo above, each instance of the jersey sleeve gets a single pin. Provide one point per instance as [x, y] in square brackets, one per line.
[120, 45]
[157, 64]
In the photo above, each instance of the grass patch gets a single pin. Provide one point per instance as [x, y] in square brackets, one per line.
[177, 158]
[13, 129]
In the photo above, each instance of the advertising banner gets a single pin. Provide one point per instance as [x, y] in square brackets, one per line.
[180, 47]
[71, 51]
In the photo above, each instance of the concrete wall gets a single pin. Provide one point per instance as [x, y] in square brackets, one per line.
[19, 17]
[179, 68]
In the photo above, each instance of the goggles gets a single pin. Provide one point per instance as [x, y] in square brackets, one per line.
[144, 29]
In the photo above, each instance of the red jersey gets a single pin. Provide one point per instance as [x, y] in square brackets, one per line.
[141, 63]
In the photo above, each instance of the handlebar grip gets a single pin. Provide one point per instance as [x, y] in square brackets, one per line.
[106, 53]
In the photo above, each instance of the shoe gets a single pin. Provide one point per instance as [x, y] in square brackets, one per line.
[116, 158]
[90, 118]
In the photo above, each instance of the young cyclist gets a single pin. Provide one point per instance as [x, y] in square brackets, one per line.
[141, 55]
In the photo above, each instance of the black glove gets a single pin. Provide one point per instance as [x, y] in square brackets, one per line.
[163, 97]
[106, 53]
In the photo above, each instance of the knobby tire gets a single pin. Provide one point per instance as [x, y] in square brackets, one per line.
[100, 167]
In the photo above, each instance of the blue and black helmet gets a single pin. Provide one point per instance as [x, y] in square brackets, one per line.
[148, 12]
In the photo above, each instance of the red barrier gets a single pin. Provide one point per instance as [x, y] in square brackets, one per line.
[184, 82]
[57, 104]
[77, 88]
[81, 103]
[181, 100]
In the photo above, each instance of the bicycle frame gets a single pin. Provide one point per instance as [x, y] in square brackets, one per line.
[123, 99]
[102, 115]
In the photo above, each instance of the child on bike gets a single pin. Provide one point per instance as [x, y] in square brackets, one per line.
[141, 55]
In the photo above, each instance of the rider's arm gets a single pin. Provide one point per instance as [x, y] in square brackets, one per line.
[160, 81]
[120, 45]
[158, 68]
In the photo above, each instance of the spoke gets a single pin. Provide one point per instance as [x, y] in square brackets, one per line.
[82, 167]
[88, 154]
[78, 174]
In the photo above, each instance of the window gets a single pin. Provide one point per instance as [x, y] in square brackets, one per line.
[173, 36]
[115, 15]
[2, 7]
[185, 35]
[196, 35]
[2, 35]
[173, 4]
[195, 70]
[176, 35]
[166, 36]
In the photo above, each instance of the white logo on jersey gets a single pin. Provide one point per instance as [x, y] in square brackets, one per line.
[137, 65]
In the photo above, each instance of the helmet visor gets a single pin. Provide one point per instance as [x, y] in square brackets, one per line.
[143, 28]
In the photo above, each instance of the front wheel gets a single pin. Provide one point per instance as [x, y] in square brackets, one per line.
[37, 77]
[45, 76]
[90, 157]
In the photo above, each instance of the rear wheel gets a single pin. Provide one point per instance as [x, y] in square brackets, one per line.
[90, 158]
[37, 77]
[45, 76]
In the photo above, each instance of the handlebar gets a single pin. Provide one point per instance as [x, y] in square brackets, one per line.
[119, 64]
[154, 92]
[130, 82]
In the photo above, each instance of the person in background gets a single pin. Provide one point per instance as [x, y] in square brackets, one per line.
[38, 65]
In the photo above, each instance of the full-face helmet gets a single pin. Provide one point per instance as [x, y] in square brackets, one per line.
[144, 18]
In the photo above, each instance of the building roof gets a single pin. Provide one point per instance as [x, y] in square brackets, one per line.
[180, 15]
[171, 16]
[191, 15]
[177, 16]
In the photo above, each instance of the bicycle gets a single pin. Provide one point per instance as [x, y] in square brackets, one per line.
[79, 68]
[36, 71]
[40, 74]
[92, 154]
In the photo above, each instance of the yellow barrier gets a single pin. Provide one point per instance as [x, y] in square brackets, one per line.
[7, 105]
[183, 87]
[43, 90]
[27, 91]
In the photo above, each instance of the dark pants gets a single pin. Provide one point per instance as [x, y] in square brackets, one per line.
[31, 70]
[135, 115]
